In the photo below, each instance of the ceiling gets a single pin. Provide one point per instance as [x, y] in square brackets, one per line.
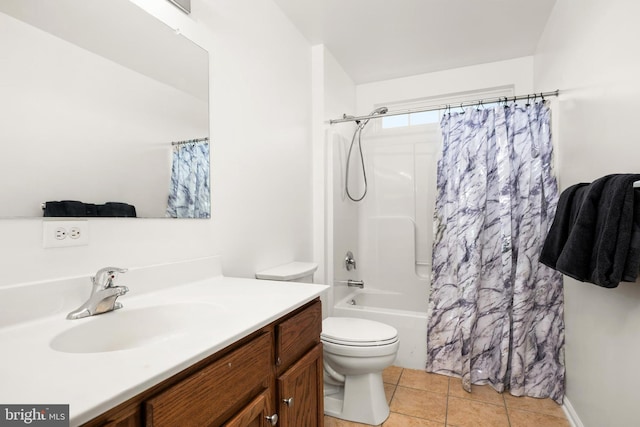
[383, 39]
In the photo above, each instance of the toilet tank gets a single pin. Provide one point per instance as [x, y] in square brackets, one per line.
[292, 272]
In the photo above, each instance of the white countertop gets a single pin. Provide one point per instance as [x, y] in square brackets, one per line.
[31, 372]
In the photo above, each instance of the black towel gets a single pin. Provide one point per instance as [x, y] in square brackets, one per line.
[115, 209]
[594, 236]
[69, 208]
[632, 268]
[73, 208]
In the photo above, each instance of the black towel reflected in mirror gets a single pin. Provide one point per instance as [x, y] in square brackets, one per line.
[73, 208]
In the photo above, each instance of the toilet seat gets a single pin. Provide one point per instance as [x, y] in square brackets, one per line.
[355, 332]
[359, 344]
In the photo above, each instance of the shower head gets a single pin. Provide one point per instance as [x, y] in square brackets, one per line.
[379, 111]
[358, 134]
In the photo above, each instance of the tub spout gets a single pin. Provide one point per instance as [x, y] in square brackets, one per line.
[352, 283]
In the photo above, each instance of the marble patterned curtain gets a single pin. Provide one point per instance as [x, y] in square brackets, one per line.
[495, 312]
[189, 195]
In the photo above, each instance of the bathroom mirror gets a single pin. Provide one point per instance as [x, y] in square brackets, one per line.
[92, 95]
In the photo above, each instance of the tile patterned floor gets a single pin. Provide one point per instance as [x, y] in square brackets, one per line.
[420, 399]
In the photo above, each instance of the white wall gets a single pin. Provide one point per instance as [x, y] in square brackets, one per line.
[337, 93]
[514, 73]
[589, 51]
[260, 101]
[261, 118]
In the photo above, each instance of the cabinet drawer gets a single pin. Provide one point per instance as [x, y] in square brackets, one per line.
[298, 334]
[214, 393]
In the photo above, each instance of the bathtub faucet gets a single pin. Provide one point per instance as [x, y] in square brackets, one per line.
[352, 283]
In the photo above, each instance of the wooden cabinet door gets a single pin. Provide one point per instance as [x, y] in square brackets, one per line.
[254, 414]
[213, 394]
[300, 397]
[130, 417]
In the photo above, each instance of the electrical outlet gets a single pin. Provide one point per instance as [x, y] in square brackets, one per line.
[75, 232]
[58, 234]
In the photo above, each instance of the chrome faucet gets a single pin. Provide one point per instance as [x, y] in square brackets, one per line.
[352, 283]
[103, 294]
[355, 283]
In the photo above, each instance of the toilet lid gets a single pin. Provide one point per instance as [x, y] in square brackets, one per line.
[357, 332]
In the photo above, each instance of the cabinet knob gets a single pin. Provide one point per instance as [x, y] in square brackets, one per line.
[273, 419]
[288, 402]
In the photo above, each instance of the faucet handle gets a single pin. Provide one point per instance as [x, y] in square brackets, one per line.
[350, 261]
[105, 276]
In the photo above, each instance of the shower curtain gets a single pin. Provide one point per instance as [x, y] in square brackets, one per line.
[495, 312]
[189, 195]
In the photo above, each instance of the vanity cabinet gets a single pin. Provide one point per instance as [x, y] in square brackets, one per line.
[256, 414]
[208, 396]
[299, 369]
[128, 418]
[275, 371]
[300, 393]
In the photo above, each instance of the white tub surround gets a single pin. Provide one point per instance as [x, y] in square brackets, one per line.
[225, 310]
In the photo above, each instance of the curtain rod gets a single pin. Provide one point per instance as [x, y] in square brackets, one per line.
[445, 106]
[190, 141]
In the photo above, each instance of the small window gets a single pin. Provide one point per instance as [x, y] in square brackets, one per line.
[423, 118]
[411, 119]
[395, 121]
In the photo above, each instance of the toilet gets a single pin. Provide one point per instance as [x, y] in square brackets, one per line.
[355, 352]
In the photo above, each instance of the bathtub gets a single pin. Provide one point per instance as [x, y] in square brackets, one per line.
[408, 317]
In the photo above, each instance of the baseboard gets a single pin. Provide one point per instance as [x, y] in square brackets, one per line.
[571, 414]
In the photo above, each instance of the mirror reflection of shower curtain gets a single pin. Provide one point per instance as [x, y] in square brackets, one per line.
[189, 195]
[495, 312]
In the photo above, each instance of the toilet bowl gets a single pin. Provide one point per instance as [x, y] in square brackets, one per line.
[355, 352]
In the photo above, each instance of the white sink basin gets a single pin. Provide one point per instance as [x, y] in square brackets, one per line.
[130, 328]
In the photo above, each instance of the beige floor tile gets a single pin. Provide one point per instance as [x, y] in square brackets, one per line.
[337, 422]
[483, 393]
[419, 403]
[520, 418]
[391, 375]
[545, 406]
[389, 389]
[422, 380]
[471, 413]
[399, 420]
